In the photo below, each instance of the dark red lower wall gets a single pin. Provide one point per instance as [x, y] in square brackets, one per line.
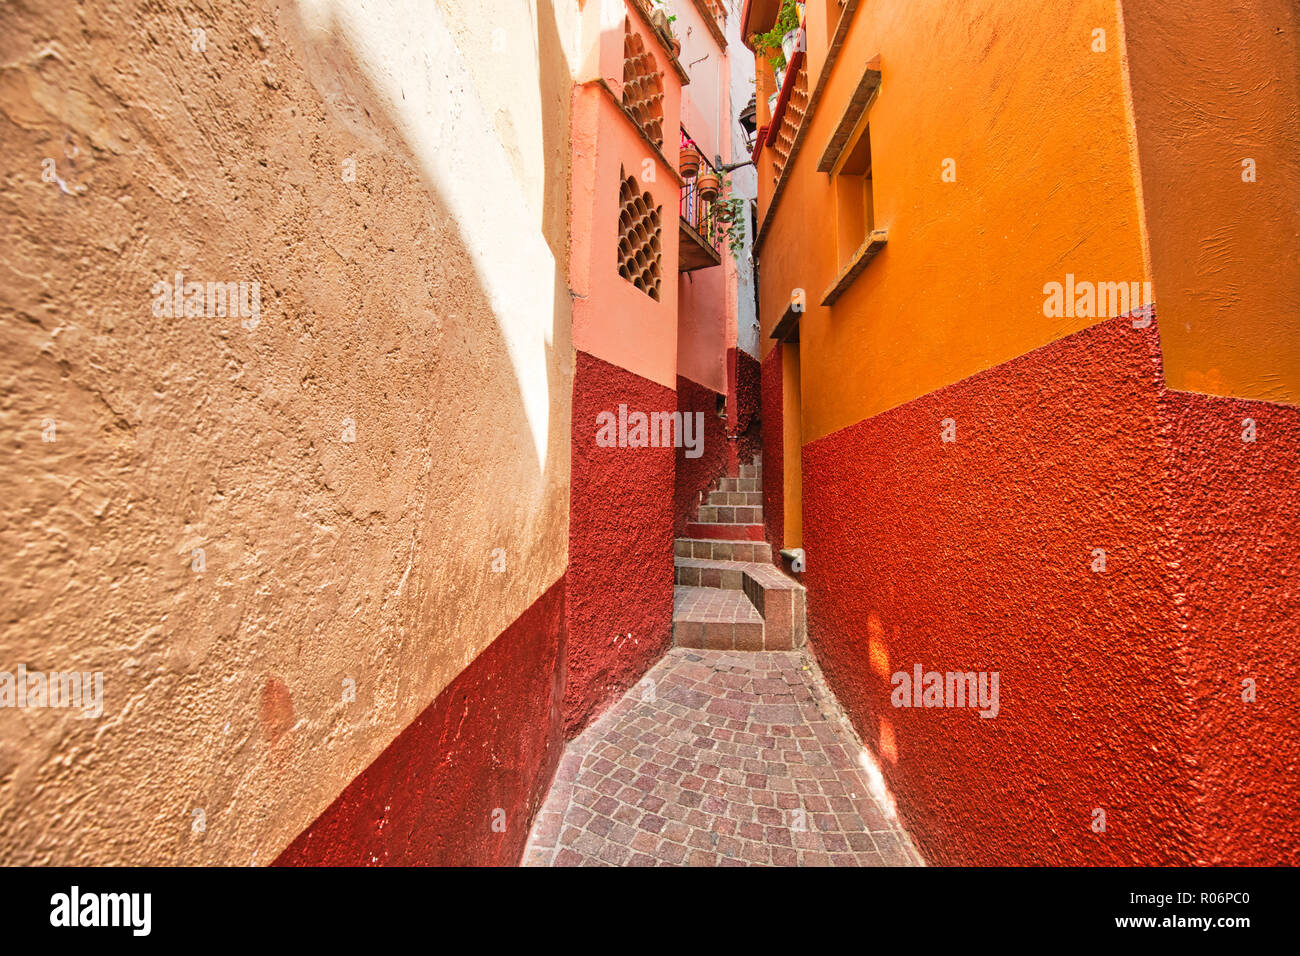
[976, 555]
[620, 578]
[695, 476]
[492, 739]
[1119, 691]
[1236, 523]
[771, 425]
[744, 405]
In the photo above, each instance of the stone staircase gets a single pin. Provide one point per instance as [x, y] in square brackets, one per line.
[729, 594]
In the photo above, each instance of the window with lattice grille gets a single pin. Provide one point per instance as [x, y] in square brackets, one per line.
[643, 86]
[639, 240]
[783, 137]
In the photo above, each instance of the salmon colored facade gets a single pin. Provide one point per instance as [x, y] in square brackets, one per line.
[1024, 312]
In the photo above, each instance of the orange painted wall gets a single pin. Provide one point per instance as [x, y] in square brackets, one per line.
[1033, 118]
[1213, 86]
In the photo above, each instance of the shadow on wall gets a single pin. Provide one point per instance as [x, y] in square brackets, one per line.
[326, 560]
[498, 316]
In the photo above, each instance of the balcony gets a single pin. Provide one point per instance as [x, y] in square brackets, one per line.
[701, 237]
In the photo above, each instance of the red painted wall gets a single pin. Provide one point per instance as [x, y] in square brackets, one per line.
[492, 739]
[773, 450]
[1235, 518]
[975, 556]
[744, 402]
[620, 576]
[695, 476]
[1118, 690]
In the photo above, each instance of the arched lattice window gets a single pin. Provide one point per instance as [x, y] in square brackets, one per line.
[639, 241]
[643, 86]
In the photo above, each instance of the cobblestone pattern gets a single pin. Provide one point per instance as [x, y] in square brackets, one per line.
[718, 759]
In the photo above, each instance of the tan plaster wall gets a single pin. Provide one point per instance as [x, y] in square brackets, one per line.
[382, 302]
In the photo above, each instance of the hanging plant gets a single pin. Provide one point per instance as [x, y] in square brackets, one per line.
[730, 215]
[708, 184]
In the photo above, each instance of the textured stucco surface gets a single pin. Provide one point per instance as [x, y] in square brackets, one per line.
[772, 425]
[1119, 690]
[694, 476]
[976, 555]
[325, 561]
[461, 784]
[1214, 84]
[620, 578]
[1234, 536]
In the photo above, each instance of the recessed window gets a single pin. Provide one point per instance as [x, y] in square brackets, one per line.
[855, 216]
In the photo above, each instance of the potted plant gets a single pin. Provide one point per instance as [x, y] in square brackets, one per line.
[790, 39]
[708, 184]
[659, 18]
[774, 40]
[787, 44]
[689, 161]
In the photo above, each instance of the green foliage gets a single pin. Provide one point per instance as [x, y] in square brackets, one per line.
[730, 214]
[786, 20]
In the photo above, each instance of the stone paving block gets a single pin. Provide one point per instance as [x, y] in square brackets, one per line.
[718, 774]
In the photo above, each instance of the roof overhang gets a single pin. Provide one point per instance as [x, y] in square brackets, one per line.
[758, 17]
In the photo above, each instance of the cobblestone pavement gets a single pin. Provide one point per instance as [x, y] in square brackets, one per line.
[719, 758]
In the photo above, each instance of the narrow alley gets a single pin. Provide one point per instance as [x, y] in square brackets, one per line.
[631, 433]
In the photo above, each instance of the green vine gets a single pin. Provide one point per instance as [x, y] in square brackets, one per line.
[786, 20]
[730, 213]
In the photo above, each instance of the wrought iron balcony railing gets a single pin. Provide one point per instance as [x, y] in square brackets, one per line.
[699, 215]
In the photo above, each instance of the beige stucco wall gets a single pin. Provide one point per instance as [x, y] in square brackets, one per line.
[425, 301]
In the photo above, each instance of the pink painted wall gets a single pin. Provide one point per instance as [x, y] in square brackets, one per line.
[612, 319]
[706, 324]
[702, 325]
[704, 100]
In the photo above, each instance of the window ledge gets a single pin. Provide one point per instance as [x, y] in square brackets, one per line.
[866, 252]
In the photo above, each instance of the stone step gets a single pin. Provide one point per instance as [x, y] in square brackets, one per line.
[729, 514]
[714, 619]
[739, 484]
[725, 532]
[723, 550]
[752, 499]
[780, 600]
[751, 471]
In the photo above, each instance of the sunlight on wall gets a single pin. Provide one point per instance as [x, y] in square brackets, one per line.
[410, 58]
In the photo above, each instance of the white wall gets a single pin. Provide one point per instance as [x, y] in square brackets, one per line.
[744, 181]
